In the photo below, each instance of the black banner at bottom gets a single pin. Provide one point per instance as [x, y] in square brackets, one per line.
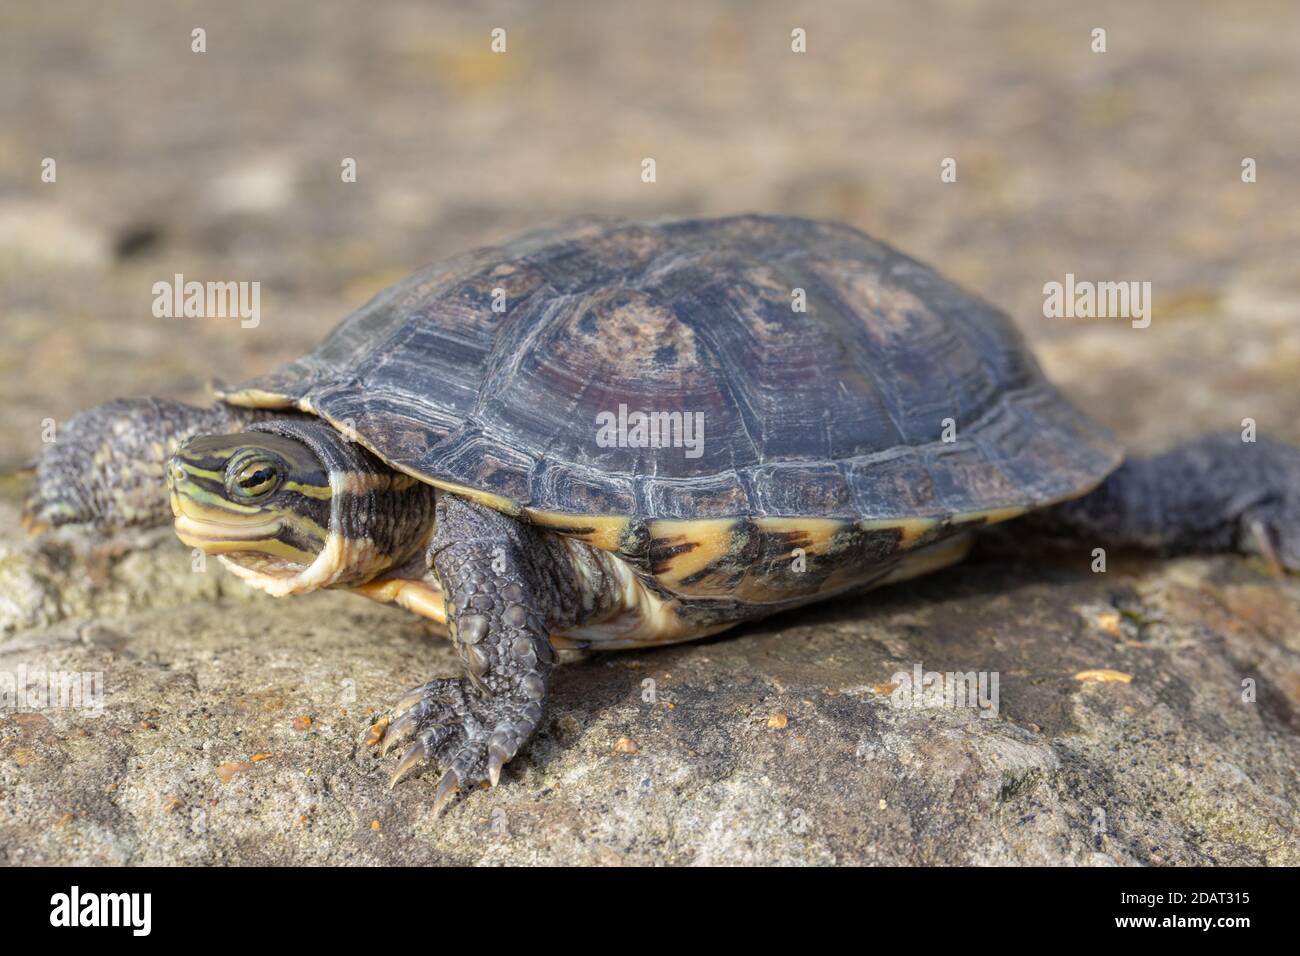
[336, 905]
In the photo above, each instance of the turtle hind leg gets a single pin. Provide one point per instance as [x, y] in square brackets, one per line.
[1214, 493]
[105, 465]
[506, 585]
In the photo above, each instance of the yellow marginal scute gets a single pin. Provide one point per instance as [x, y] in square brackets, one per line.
[256, 398]
[606, 530]
[485, 498]
[912, 529]
[713, 540]
[819, 533]
[991, 516]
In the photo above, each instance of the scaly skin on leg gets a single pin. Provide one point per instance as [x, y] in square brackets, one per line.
[507, 585]
[1214, 493]
[105, 467]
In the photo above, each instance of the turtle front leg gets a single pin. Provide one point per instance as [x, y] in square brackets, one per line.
[506, 585]
[105, 465]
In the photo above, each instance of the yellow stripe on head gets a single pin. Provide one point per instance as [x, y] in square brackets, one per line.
[291, 505]
[253, 493]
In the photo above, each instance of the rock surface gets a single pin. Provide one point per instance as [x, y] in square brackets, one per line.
[231, 727]
[232, 724]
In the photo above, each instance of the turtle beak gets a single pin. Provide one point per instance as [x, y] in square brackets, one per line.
[179, 491]
[273, 536]
[201, 521]
[175, 476]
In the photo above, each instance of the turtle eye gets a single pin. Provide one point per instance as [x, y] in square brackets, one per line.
[255, 479]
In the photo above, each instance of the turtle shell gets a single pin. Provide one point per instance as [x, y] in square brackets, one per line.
[839, 384]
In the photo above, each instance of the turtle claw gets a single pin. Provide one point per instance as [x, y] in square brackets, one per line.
[416, 756]
[1267, 549]
[400, 729]
[410, 700]
[470, 734]
[447, 787]
[497, 758]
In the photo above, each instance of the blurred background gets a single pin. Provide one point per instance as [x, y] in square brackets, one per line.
[225, 165]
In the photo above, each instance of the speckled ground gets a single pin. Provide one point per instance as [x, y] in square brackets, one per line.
[232, 724]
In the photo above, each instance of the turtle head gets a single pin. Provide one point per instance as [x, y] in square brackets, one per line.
[250, 493]
[291, 506]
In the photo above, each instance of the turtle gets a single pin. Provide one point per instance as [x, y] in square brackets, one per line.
[615, 433]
